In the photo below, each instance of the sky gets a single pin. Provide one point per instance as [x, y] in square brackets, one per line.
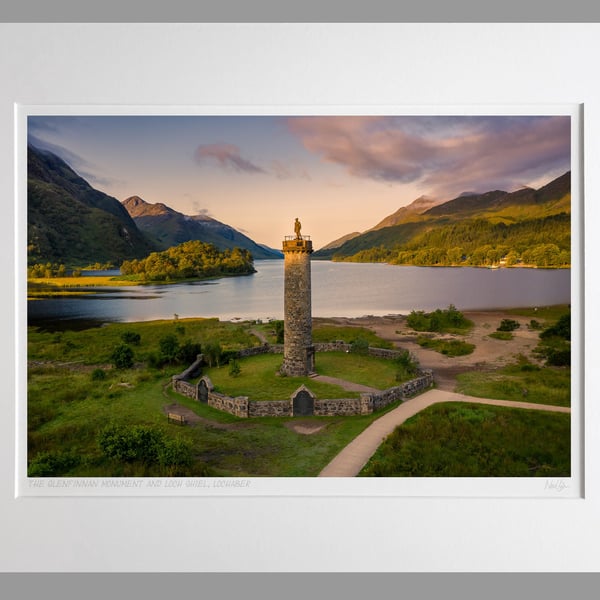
[337, 174]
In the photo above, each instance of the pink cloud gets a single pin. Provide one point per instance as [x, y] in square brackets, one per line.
[447, 154]
[226, 156]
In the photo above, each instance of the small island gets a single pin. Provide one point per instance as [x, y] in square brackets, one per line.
[191, 260]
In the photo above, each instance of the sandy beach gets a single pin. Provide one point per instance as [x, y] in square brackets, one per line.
[489, 353]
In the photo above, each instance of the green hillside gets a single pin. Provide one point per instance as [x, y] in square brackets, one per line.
[70, 222]
[531, 227]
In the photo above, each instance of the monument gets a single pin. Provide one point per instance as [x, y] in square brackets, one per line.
[298, 349]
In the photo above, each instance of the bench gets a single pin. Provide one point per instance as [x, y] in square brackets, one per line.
[175, 418]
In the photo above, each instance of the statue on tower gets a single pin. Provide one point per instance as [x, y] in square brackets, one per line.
[297, 228]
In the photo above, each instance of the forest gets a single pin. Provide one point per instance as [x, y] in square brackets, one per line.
[543, 242]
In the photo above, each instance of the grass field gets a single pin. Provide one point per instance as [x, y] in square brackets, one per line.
[259, 380]
[467, 440]
[521, 381]
[541, 313]
[68, 411]
[74, 393]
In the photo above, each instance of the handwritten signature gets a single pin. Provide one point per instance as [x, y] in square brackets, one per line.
[557, 485]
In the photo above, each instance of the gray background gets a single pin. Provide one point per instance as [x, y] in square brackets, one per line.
[556, 547]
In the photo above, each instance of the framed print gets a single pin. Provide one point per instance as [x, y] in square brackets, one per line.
[176, 309]
[276, 301]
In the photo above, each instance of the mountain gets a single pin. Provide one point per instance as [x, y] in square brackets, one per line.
[337, 243]
[404, 214]
[70, 222]
[167, 227]
[408, 212]
[492, 220]
[553, 198]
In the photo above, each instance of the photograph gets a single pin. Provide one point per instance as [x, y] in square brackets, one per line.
[299, 295]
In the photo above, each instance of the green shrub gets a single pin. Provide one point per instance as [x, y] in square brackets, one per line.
[555, 343]
[278, 325]
[440, 321]
[501, 335]
[130, 443]
[175, 455]
[52, 464]
[154, 360]
[122, 357]
[213, 354]
[98, 374]
[188, 352]
[168, 347]
[407, 366]
[559, 357]
[131, 337]
[234, 368]
[561, 329]
[508, 325]
[359, 346]
[447, 347]
[227, 356]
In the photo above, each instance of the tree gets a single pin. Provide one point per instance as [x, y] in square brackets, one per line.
[169, 347]
[234, 368]
[122, 357]
[455, 255]
[213, 353]
[279, 329]
[512, 258]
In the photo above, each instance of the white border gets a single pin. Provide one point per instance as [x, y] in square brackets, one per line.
[219, 65]
[569, 487]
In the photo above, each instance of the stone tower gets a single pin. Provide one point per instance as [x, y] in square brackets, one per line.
[298, 350]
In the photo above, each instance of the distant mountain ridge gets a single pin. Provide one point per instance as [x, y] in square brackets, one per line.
[167, 227]
[494, 215]
[404, 213]
[70, 222]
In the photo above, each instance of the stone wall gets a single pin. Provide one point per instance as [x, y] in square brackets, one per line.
[264, 349]
[237, 406]
[319, 347]
[242, 406]
[193, 370]
[338, 407]
[185, 388]
[270, 408]
[419, 384]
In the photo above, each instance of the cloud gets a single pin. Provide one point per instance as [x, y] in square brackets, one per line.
[80, 165]
[226, 156]
[446, 154]
[281, 171]
[199, 210]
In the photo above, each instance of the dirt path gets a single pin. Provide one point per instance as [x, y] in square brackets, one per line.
[194, 419]
[356, 454]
